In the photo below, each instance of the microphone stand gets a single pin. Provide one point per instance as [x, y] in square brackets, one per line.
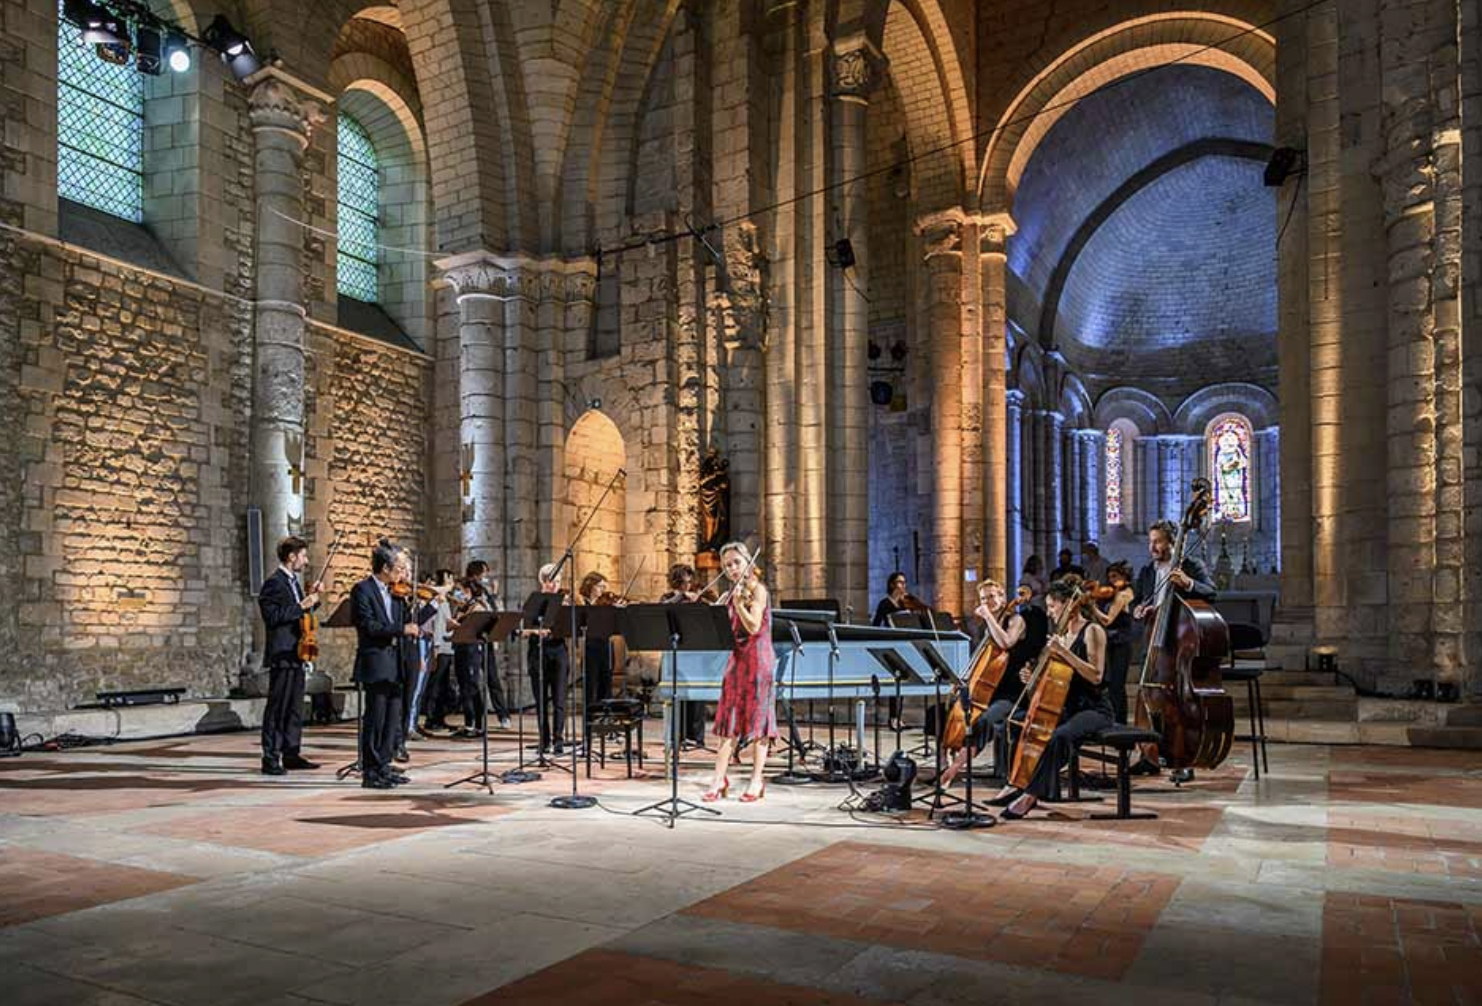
[576, 800]
[832, 762]
[792, 777]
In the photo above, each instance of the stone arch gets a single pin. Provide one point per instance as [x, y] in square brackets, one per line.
[1143, 410]
[1202, 38]
[594, 456]
[1257, 405]
[1075, 402]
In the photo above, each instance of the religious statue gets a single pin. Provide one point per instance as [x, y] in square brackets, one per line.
[715, 501]
[1232, 464]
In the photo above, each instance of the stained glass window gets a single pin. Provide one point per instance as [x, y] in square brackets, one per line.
[359, 203]
[100, 128]
[1228, 442]
[1114, 446]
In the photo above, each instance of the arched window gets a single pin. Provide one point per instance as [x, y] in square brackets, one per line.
[100, 127]
[359, 212]
[1119, 438]
[1228, 445]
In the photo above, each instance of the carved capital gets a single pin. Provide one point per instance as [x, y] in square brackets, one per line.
[281, 103]
[994, 231]
[941, 232]
[856, 69]
[478, 274]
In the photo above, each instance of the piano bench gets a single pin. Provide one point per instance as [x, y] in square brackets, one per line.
[611, 718]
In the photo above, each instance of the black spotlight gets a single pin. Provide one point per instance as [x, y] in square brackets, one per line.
[1284, 163]
[881, 392]
[874, 350]
[99, 25]
[843, 253]
[898, 350]
[177, 52]
[150, 43]
[236, 51]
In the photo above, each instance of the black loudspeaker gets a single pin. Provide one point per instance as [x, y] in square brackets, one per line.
[843, 253]
[10, 740]
[255, 573]
[1284, 163]
[881, 392]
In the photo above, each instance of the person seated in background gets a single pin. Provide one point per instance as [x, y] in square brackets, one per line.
[1064, 567]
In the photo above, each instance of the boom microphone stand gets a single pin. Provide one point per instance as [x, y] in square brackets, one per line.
[792, 777]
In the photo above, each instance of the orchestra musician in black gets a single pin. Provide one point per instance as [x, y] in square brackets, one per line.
[382, 623]
[283, 601]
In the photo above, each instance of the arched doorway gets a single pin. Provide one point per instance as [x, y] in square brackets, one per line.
[595, 454]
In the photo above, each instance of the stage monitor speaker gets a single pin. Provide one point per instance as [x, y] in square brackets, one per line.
[844, 253]
[255, 571]
[1284, 163]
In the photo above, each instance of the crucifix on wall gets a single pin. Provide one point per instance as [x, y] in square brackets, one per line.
[293, 447]
[465, 470]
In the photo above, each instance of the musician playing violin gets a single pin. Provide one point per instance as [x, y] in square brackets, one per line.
[1114, 614]
[1022, 635]
[1082, 646]
[1190, 580]
[283, 602]
[684, 590]
[747, 709]
[597, 655]
[549, 667]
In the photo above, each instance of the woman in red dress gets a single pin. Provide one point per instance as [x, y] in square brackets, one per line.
[748, 707]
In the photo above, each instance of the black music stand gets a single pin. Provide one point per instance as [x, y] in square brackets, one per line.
[792, 777]
[968, 816]
[576, 618]
[901, 672]
[941, 672]
[598, 621]
[343, 617]
[478, 627]
[676, 627]
[542, 611]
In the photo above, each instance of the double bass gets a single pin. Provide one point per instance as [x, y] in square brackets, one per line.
[1180, 694]
[1050, 685]
[984, 673]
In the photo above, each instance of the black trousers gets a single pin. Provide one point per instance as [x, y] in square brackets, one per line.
[1063, 743]
[435, 697]
[986, 726]
[469, 663]
[379, 727]
[550, 707]
[283, 719]
[1118, 662]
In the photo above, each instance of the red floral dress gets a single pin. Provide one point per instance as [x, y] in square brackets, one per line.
[748, 703]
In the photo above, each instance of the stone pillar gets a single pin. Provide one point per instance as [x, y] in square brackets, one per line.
[1013, 511]
[485, 285]
[1071, 486]
[942, 254]
[1091, 446]
[1000, 418]
[1032, 458]
[854, 73]
[1054, 485]
[283, 112]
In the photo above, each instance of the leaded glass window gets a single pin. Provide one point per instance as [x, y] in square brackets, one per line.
[100, 128]
[1228, 442]
[1114, 447]
[359, 203]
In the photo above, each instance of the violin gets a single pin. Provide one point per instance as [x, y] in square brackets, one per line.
[913, 603]
[308, 623]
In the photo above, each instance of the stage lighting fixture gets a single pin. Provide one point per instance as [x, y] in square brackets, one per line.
[1284, 163]
[150, 45]
[236, 51]
[99, 25]
[177, 52]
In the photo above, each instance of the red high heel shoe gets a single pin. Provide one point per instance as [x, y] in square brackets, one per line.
[754, 797]
[711, 795]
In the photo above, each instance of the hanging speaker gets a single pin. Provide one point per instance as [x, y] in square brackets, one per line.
[255, 573]
[844, 253]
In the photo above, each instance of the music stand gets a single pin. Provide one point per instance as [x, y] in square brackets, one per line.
[676, 627]
[542, 610]
[792, 777]
[941, 671]
[477, 627]
[576, 617]
[343, 617]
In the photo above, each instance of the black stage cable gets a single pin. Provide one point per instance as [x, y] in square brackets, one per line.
[663, 238]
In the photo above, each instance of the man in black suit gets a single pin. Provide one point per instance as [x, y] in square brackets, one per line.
[381, 624]
[282, 600]
[1189, 579]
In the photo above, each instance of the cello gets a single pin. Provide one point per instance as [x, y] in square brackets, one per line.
[1050, 685]
[985, 672]
[1180, 695]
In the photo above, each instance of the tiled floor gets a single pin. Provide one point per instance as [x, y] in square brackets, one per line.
[170, 872]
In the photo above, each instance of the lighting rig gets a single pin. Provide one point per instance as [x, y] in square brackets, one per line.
[120, 30]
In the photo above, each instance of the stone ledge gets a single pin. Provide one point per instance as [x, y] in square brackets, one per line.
[131, 723]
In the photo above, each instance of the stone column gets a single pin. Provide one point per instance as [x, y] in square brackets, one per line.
[1071, 487]
[942, 254]
[1013, 510]
[283, 112]
[1054, 485]
[484, 286]
[1000, 418]
[1032, 458]
[854, 73]
[1089, 501]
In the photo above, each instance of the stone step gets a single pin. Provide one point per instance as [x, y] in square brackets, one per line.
[1466, 738]
[1288, 693]
[1317, 709]
[1280, 678]
[1464, 716]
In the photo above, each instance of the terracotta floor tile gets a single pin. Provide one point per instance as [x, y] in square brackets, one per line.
[38, 884]
[1417, 951]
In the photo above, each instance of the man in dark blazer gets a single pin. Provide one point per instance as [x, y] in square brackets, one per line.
[1189, 579]
[380, 624]
[283, 600]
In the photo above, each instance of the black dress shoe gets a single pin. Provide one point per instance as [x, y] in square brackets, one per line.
[1179, 776]
[1005, 800]
[1144, 767]
[376, 782]
[272, 766]
[397, 776]
[559, 749]
[402, 756]
[298, 762]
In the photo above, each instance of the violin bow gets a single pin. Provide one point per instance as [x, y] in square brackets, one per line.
[634, 578]
[334, 547]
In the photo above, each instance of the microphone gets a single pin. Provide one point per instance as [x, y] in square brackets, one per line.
[849, 614]
[875, 685]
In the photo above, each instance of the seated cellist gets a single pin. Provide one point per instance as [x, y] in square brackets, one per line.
[1082, 645]
[1022, 636]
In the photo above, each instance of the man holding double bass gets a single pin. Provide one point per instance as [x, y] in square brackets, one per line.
[283, 602]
